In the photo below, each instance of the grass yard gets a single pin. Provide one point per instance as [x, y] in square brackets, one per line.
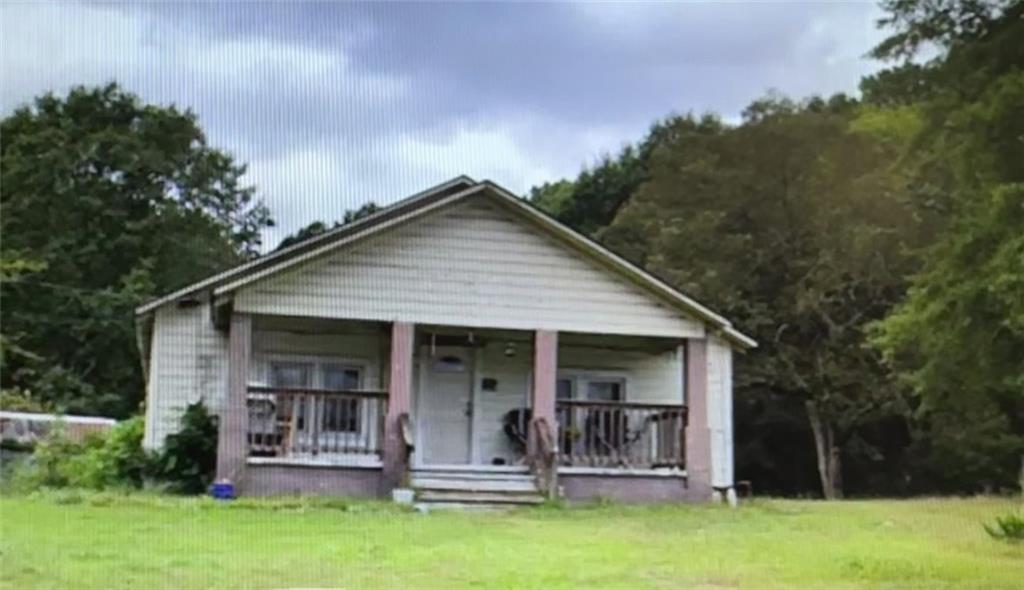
[103, 541]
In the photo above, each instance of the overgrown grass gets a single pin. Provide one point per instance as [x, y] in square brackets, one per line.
[89, 540]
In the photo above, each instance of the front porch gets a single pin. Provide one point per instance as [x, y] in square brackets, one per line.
[331, 406]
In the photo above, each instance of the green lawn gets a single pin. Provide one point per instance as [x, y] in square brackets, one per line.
[103, 541]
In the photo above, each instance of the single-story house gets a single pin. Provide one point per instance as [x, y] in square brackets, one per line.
[459, 343]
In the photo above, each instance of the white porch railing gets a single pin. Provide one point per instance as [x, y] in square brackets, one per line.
[296, 423]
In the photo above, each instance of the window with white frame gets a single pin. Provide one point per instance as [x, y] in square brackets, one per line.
[336, 414]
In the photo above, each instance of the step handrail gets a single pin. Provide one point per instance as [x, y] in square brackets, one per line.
[545, 462]
[408, 445]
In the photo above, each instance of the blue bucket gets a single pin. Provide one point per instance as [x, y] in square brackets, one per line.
[223, 490]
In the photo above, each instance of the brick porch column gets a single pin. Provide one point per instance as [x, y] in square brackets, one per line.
[698, 434]
[545, 376]
[232, 446]
[399, 402]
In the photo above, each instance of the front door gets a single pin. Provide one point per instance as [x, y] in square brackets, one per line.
[445, 405]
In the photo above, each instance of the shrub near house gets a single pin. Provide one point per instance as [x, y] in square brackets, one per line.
[99, 461]
[116, 459]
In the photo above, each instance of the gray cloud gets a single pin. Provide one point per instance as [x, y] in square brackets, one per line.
[335, 104]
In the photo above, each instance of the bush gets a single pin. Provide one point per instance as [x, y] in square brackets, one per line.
[116, 459]
[1008, 528]
[189, 458]
[22, 400]
[119, 461]
[48, 466]
[101, 461]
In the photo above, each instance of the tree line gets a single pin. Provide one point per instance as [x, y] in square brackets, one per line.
[873, 245]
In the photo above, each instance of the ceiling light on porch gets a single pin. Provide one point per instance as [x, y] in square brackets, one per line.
[510, 349]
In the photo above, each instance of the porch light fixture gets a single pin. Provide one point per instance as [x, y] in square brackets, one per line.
[510, 349]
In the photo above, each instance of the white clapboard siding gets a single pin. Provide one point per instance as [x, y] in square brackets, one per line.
[720, 411]
[471, 264]
[188, 362]
[512, 377]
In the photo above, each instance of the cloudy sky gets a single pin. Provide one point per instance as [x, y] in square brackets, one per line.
[333, 105]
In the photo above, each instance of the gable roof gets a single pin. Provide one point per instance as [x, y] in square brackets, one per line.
[422, 203]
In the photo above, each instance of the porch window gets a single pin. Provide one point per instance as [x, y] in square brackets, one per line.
[291, 375]
[341, 415]
[594, 387]
[581, 424]
[606, 390]
[336, 415]
[565, 388]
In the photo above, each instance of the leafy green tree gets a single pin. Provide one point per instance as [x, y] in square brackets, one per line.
[364, 210]
[948, 24]
[554, 198]
[785, 224]
[116, 200]
[957, 340]
[590, 202]
[318, 227]
[313, 229]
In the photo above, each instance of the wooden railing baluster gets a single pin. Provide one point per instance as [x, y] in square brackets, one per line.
[621, 434]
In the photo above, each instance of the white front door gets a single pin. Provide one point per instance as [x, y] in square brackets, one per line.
[445, 407]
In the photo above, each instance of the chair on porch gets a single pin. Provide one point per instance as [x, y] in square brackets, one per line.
[272, 425]
[516, 424]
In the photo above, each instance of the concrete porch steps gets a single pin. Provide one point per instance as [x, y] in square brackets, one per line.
[440, 488]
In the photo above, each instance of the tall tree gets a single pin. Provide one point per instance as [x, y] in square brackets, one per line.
[786, 225]
[117, 200]
[590, 202]
[957, 339]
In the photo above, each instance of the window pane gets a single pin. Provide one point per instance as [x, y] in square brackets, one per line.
[341, 415]
[296, 375]
[340, 377]
[604, 391]
[564, 389]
